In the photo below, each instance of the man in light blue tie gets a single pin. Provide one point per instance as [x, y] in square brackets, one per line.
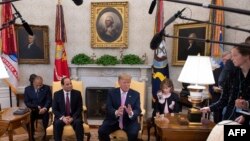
[123, 109]
[38, 98]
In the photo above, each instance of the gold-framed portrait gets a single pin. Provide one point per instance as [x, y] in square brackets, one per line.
[184, 47]
[33, 49]
[109, 24]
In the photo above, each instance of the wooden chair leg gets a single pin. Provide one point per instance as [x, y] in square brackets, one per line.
[149, 125]
[36, 124]
[88, 136]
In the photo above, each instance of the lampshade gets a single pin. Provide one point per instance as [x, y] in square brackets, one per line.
[197, 70]
[3, 71]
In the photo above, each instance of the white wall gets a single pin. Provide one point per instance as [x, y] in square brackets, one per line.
[141, 29]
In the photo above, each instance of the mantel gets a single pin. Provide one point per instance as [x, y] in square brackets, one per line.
[112, 66]
[139, 71]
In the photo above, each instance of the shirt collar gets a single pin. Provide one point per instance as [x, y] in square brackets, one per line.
[66, 92]
[122, 92]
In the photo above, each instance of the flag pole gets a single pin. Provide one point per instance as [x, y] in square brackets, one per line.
[10, 96]
[206, 40]
[222, 25]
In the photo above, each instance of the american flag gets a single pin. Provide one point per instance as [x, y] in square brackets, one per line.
[160, 62]
[217, 16]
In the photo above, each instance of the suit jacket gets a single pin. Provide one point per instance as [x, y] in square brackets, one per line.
[194, 50]
[42, 98]
[114, 102]
[58, 104]
[33, 52]
[235, 86]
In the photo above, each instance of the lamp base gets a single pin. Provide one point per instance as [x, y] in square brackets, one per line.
[194, 116]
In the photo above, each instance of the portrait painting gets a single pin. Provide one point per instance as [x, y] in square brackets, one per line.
[109, 24]
[32, 49]
[187, 45]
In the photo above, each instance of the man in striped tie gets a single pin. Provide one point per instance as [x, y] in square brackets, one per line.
[123, 108]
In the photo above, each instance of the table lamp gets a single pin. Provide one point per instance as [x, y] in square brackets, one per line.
[197, 71]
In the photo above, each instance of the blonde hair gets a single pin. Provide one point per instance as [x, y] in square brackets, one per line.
[168, 83]
[124, 76]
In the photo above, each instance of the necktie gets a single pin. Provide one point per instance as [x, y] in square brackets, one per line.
[123, 99]
[37, 91]
[67, 105]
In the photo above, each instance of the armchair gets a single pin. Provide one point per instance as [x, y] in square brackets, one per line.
[141, 88]
[68, 130]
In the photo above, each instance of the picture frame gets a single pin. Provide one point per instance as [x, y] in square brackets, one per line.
[109, 24]
[36, 52]
[184, 47]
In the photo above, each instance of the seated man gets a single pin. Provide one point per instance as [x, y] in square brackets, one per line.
[123, 109]
[37, 97]
[67, 108]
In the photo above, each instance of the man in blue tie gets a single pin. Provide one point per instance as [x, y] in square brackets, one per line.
[123, 109]
[37, 97]
[67, 108]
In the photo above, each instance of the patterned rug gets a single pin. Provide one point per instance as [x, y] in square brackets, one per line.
[21, 135]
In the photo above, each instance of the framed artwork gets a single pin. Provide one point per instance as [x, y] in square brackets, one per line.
[33, 49]
[184, 47]
[109, 24]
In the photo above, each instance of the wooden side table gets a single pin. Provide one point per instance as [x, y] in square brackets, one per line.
[170, 129]
[18, 97]
[11, 121]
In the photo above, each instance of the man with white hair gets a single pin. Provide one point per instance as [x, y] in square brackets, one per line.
[110, 32]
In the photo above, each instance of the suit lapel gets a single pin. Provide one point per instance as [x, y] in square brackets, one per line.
[40, 94]
[128, 98]
[63, 101]
[117, 97]
[71, 100]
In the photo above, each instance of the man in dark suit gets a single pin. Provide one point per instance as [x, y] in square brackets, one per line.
[123, 109]
[32, 51]
[67, 108]
[37, 97]
[192, 49]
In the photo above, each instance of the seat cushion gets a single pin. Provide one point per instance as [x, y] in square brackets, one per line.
[86, 128]
[118, 135]
[68, 130]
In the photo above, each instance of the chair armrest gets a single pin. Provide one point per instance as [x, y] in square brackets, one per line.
[140, 118]
[85, 110]
[51, 117]
[143, 111]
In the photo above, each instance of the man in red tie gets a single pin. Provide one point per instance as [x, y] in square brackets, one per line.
[123, 109]
[67, 108]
